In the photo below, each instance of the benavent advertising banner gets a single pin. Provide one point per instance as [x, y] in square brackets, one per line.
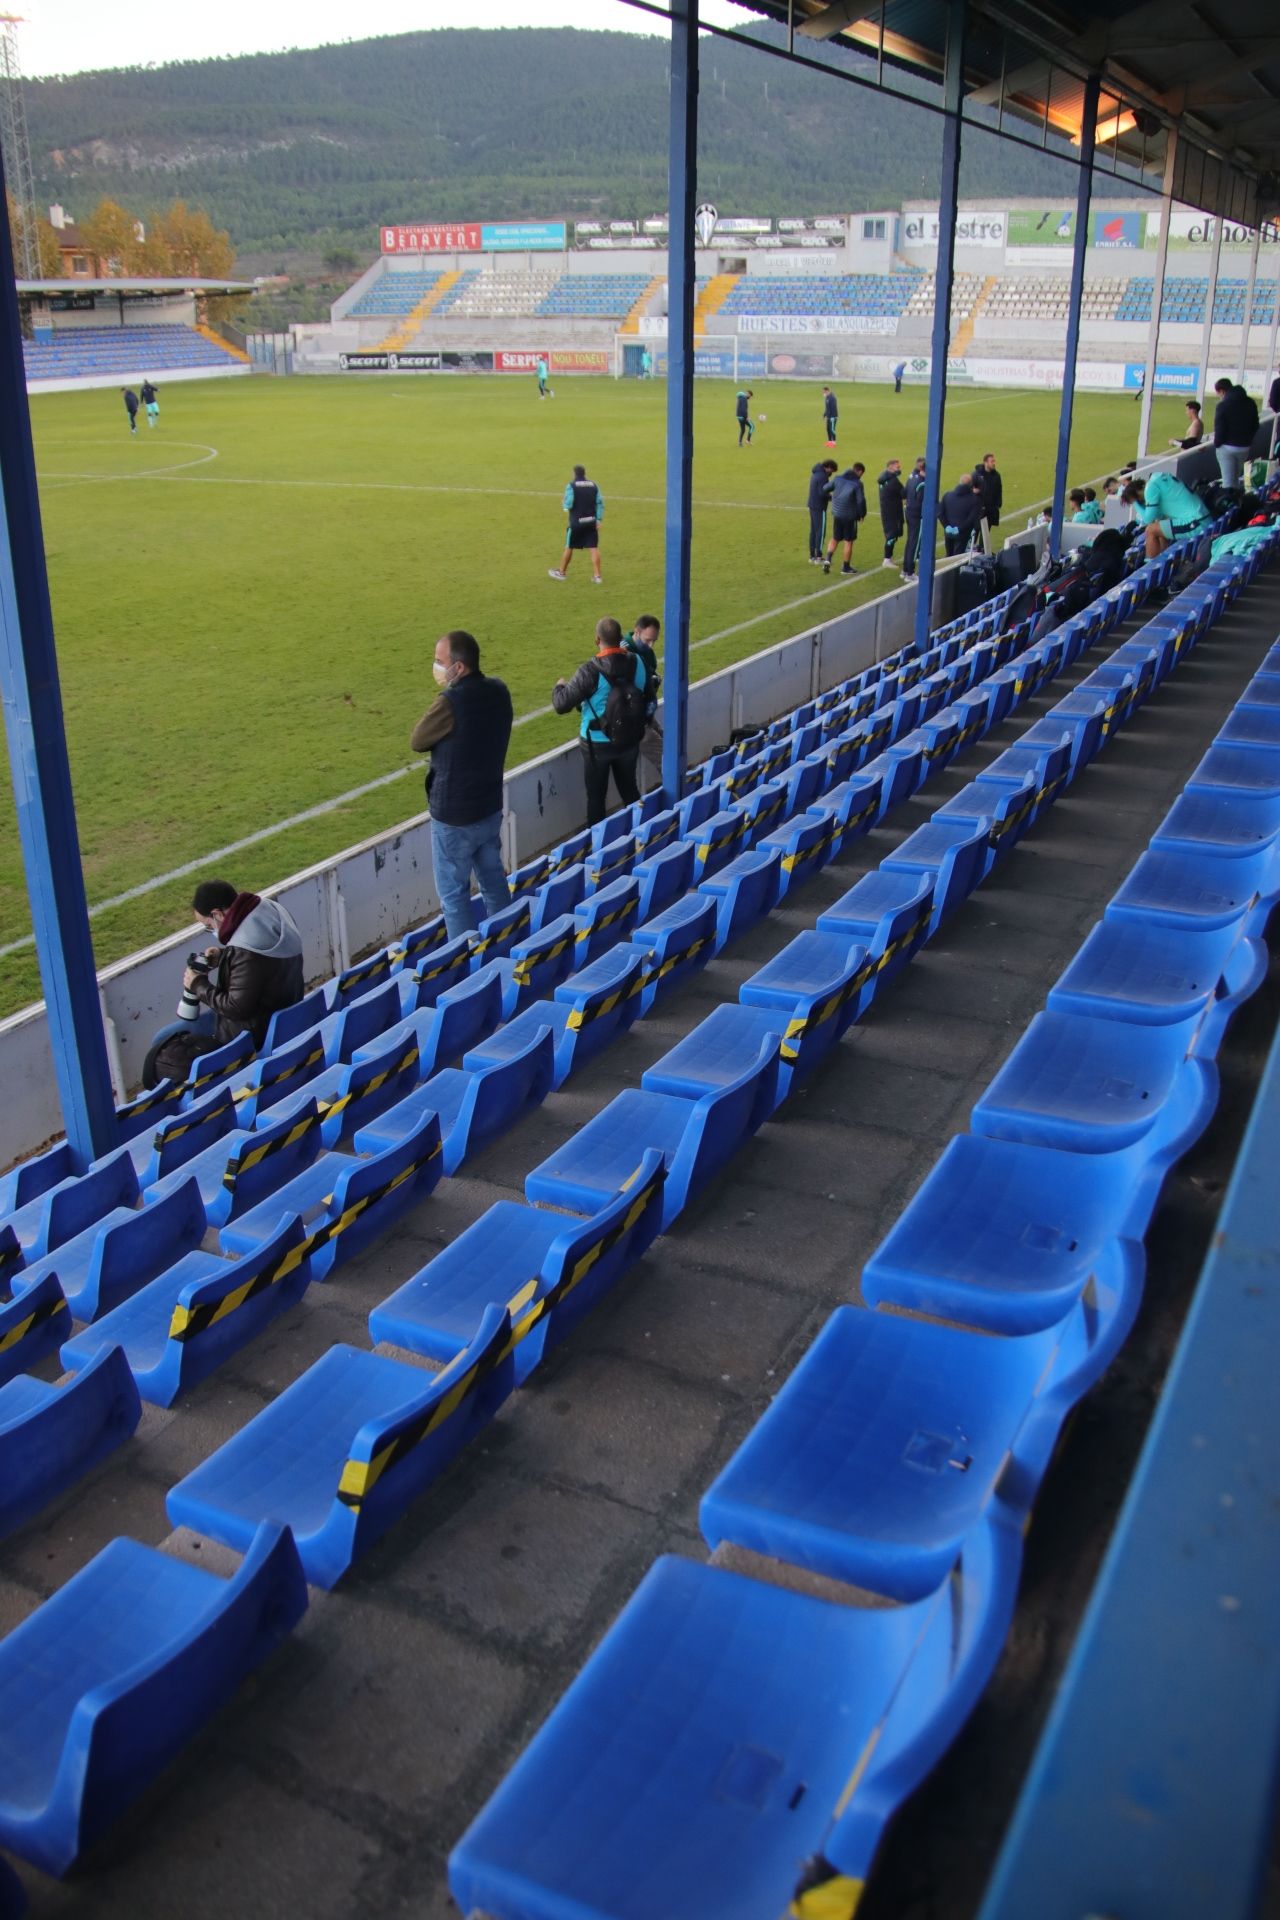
[476, 236]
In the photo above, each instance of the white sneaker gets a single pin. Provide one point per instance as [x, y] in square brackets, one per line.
[554, 573]
[891, 564]
[596, 581]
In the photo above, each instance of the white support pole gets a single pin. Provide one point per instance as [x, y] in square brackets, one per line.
[1157, 292]
[1248, 307]
[1206, 338]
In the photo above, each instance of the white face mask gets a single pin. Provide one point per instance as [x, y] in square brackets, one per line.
[440, 674]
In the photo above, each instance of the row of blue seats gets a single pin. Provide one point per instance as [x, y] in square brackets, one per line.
[738, 1743]
[63, 1801]
[123, 1246]
[393, 294]
[474, 1311]
[853, 293]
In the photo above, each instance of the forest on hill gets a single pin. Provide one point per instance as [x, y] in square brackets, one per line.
[306, 152]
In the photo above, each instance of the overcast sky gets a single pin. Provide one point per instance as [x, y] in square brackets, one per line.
[73, 36]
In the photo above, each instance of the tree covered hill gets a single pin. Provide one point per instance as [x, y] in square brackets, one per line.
[307, 151]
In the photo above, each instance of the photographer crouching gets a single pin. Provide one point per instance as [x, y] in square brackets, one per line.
[231, 988]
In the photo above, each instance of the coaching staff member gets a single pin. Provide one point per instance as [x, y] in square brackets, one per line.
[584, 504]
[466, 730]
[610, 742]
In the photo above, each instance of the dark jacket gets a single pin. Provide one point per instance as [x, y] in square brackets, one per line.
[848, 496]
[589, 689]
[465, 781]
[649, 660]
[892, 500]
[820, 484]
[258, 971]
[992, 486]
[961, 509]
[1235, 419]
[914, 489]
[830, 407]
[1273, 398]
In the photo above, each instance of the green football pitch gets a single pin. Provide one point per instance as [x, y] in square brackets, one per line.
[246, 598]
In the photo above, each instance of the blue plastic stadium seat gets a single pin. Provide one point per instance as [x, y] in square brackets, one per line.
[664, 875]
[675, 942]
[697, 807]
[106, 1682]
[1006, 1237]
[462, 1017]
[272, 1077]
[713, 1055]
[413, 947]
[236, 1172]
[1005, 808]
[744, 891]
[1147, 972]
[588, 1009]
[718, 838]
[32, 1324]
[346, 1449]
[443, 967]
[50, 1436]
[179, 1328]
[546, 1271]
[697, 1761]
[356, 981]
[138, 1116]
[1219, 820]
[182, 1137]
[209, 1070]
[605, 918]
[941, 733]
[695, 1139]
[559, 894]
[474, 1105]
[571, 852]
[1050, 762]
[887, 913]
[804, 845]
[880, 1453]
[74, 1206]
[953, 853]
[897, 776]
[819, 983]
[360, 1022]
[348, 1097]
[1094, 1086]
[1238, 768]
[611, 860]
[1197, 889]
[536, 966]
[1083, 716]
[1120, 685]
[1251, 726]
[657, 832]
[346, 1203]
[500, 932]
[765, 807]
[121, 1253]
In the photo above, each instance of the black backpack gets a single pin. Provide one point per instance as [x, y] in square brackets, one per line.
[626, 709]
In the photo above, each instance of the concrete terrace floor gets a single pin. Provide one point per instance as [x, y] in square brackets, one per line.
[336, 1781]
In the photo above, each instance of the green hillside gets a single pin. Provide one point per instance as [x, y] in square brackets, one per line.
[307, 151]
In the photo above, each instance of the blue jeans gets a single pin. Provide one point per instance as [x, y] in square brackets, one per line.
[456, 853]
[1231, 464]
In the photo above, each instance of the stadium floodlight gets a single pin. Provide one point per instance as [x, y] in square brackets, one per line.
[15, 150]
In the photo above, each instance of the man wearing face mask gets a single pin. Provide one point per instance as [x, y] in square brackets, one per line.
[466, 730]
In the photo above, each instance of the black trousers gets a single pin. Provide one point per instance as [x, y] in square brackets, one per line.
[912, 547]
[892, 535]
[597, 764]
[817, 531]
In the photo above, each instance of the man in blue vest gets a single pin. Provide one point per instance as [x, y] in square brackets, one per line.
[830, 414]
[466, 730]
[609, 734]
[584, 504]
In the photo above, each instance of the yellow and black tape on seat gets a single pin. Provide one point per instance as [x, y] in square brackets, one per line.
[254, 1156]
[44, 1310]
[278, 1079]
[348, 1217]
[622, 911]
[188, 1323]
[651, 976]
[516, 931]
[523, 968]
[407, 1059]
[799, 1028]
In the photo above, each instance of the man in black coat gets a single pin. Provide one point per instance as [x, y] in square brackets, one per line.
[960, 511]
[992, 489]
[1235, 422]
[893, 497]
[913, 511]
[466, 730]
[820, 479]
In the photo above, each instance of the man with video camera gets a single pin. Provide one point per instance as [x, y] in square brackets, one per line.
[232, 988]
